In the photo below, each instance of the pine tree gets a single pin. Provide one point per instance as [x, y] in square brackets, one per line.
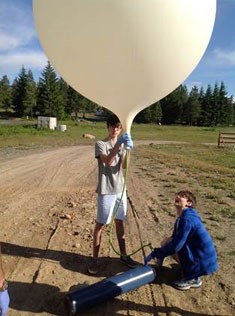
[144, 116]
[50, 101]
[206, 117]
[86, 105]
[64, 87]
[5, 93]
[73, 102]
[216, 105]
[233, 110]
[202, 114]
[172, 105]
[22, 93]
[152, 114]
[225, 106]
[192, 108]
[31, 94]
[156, 112]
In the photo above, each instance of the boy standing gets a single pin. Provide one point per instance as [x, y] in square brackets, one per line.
[190, 244]
[110, 154]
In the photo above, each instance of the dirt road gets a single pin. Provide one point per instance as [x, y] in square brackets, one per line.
[48, 207]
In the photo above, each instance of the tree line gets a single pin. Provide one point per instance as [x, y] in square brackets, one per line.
[52, 96]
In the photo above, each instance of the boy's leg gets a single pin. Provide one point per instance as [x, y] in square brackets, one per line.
[93, 265]
[124, 258]
[97, 239]
[121, 236]
[120, 215]
[105, 205]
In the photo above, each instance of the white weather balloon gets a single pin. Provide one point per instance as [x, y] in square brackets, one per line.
[124, 54]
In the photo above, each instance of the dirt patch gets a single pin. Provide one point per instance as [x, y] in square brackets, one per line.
[48, 206]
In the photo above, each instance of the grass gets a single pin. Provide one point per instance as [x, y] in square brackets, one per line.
[190, 134]
[209, 166]
[29, 135]
[212, 167]
[206, 170]
[231, 253]
[221, 158]
[228, 212]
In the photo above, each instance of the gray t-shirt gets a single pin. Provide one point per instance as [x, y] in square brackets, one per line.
[110, 178]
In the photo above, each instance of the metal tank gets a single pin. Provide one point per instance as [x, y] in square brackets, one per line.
[82, 299]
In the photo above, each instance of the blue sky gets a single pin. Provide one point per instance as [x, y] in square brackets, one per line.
[19, 45]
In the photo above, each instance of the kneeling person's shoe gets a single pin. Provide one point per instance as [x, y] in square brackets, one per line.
[186, 285]
[129, 262]
[93, 267]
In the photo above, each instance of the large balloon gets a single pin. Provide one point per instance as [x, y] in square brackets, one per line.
[124, 54]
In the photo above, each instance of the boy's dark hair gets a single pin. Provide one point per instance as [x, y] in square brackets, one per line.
[113, 120]
[189, 195]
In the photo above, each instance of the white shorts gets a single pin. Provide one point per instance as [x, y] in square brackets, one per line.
[109, 205]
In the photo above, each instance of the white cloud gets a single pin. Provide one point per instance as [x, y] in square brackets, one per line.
[18, 39]
[10, 41]
[16, 26]
[219, 59]
[14, 61]
[225, 57]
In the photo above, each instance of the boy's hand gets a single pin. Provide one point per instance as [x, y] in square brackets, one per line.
[149, 258]
[129, 142]
[155, 254]
[125, 139]
[121, 139]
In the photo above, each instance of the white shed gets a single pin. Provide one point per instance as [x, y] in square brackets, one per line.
[47, 122]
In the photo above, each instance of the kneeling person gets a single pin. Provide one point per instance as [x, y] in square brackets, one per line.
[190, 244]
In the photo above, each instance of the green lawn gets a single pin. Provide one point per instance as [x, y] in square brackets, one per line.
[30, 135]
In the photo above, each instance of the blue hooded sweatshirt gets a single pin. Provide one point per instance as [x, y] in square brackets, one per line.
[193, 244]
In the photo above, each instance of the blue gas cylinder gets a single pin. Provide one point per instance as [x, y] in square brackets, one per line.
[106, 289]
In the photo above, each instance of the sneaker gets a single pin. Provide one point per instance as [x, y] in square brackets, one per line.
[93, 267]
[128, 261]
[186, 285]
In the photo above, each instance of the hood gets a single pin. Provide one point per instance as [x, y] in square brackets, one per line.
[189, 212]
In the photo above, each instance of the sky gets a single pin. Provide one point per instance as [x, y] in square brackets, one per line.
[19, 45]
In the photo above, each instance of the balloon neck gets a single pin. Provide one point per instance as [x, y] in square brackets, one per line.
[126, 126]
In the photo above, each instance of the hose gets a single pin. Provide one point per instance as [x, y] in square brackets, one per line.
[114, 215]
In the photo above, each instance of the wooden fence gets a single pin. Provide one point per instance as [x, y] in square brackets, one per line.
[226, 138]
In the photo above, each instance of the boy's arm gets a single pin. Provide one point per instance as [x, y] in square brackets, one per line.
[178, 240]
[108, 159]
